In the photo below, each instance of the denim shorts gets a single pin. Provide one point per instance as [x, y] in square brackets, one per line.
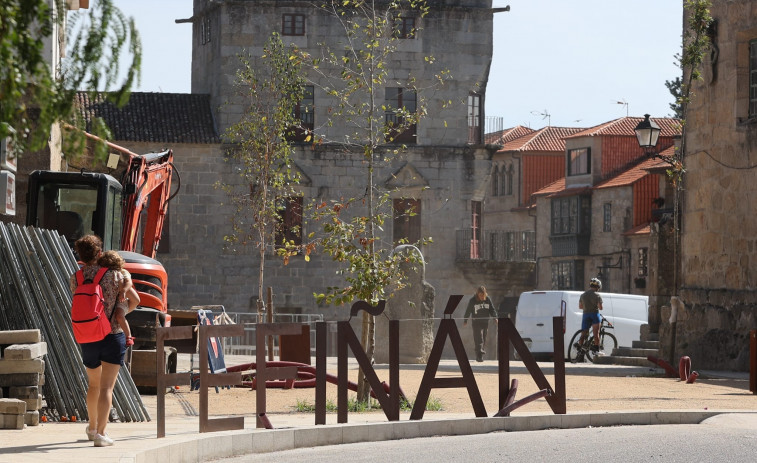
[590, 319]
[110, 350]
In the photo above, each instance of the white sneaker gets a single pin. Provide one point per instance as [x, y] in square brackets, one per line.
[91, 434]
[102, 440]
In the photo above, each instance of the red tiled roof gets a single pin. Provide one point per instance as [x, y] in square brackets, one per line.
[546, 139]
[503, 136]
[553, 187]
[661, 165]
[628, 177]
[626, 125]
[154, 117]
[643, 229]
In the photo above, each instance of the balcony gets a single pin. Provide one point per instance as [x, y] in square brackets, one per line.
[496, 246]
[570, 245]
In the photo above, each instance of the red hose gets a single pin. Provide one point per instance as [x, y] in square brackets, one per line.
[305, 377]
[684, 367]
[537, 395]
[669, 370]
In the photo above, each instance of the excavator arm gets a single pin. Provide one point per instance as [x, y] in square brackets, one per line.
[147, 186]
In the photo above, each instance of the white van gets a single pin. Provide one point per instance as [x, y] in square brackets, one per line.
[535, 310]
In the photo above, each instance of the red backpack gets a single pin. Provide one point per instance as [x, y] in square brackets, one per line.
[88, 309]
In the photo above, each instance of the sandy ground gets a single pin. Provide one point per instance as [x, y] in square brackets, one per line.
[595, 390]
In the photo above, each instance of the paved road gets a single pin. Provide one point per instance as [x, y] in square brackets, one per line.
[725, 441]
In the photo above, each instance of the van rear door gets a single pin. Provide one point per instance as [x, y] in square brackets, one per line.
[627, 314]
[534, 318]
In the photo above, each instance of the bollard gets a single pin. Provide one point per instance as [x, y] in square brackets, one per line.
[753, 361]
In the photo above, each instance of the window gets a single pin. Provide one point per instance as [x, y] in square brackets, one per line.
[293, 24]
[399, 101]
[474, 118]
[643, 266]
[571, 215]
[475, 243]
[579, 161]
[509, 180]
[568, 275]
[404, 28]
[205, 30]
[303, 112]
[607, 217]
[502, 180]
[290, 221]
[407, 220]
[753, 78]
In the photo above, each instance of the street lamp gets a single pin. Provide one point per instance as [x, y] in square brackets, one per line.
[647, 132]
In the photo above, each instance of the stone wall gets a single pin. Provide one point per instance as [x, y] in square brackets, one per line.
[713, 331]
[201, 271]
[719, 251]
[457, 34]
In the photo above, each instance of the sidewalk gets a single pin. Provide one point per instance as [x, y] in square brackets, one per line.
[137, 442]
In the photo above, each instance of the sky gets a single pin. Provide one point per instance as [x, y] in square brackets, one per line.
[556, 62]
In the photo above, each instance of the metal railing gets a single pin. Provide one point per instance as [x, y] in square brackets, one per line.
[496, 245]
[245, 344]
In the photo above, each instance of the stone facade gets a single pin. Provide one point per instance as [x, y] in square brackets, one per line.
[442, 170]
[718, 248]
[457, 33]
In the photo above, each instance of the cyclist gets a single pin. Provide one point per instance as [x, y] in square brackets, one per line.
[591, 303]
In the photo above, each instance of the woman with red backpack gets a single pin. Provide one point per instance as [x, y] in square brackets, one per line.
[102, 358]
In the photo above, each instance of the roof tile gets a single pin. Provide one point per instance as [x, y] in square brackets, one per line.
[626, 125]
[154, 117]
[542, 140]
[503, 136]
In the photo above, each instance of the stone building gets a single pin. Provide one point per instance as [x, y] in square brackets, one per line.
[442, 172]
[718, 281]
[445, 165]
[595, 221]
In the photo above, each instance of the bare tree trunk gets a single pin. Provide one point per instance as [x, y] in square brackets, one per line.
[269, 319]
[369, 346]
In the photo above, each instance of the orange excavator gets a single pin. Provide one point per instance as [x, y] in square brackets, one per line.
[128, 215]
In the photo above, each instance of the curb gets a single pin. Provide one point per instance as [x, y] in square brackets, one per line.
[243, 442]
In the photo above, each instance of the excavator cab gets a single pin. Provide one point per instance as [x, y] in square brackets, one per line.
[76, 204]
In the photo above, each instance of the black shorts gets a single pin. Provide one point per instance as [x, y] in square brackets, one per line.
[110, 350]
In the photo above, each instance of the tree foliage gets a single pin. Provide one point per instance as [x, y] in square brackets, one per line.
[355, 77]
[696, 44]
[36, 91]
[354, 74]
[674, 87]
[268, 91]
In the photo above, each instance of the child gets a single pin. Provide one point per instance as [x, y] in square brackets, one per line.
[128, 299]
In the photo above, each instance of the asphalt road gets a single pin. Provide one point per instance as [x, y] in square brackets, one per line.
[668, 443]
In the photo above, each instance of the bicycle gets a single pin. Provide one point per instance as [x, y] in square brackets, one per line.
[583, 352]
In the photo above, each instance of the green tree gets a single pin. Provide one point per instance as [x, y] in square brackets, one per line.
[696, 44]
[674, 87]
[268, 90]
[36, 92]
[354, 76]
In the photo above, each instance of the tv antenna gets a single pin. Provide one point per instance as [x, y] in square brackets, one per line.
[624, 103]
[545, 115]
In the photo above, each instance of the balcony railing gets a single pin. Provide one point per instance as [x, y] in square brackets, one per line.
[496, 245]
[570, 245]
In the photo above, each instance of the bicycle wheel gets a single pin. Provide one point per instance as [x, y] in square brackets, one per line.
[607, 343]
[573, 353]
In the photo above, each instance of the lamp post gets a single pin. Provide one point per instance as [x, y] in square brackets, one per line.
[647, 133]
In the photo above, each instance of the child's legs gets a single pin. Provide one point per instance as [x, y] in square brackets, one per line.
[121, 319]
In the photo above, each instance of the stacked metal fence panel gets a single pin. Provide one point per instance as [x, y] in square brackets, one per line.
[35, 266]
